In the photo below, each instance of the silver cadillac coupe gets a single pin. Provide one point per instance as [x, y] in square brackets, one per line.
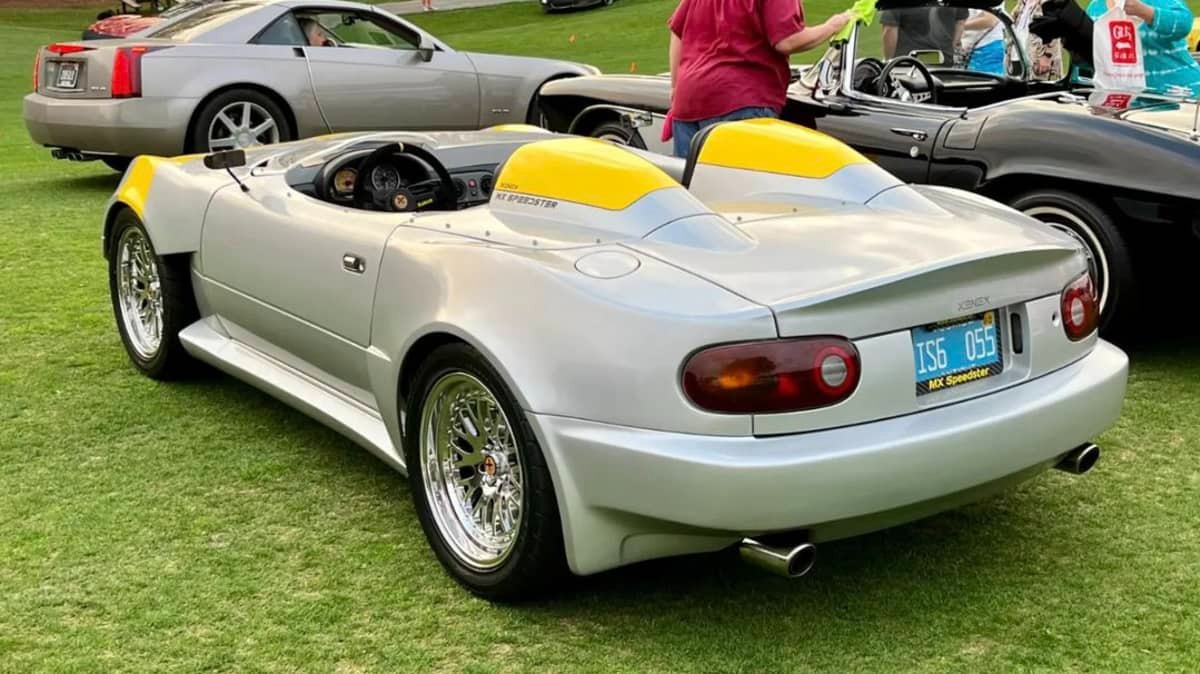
[253, 72]
[584, 355]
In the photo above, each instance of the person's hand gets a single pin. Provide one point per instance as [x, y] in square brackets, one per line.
[1139, 9]
[838, 21]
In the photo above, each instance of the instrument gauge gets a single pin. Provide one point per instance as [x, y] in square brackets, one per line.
[344, 181]
[385, 178]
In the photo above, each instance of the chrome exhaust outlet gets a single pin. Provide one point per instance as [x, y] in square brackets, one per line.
[786, 561]
[1079, 460]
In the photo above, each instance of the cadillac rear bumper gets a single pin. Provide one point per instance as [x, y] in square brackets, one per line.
[115, 127]
[628, 494]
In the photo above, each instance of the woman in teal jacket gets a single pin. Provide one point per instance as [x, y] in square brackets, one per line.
[1164, 31]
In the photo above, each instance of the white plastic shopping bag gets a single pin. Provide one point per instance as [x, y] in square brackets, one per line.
[1117, 51]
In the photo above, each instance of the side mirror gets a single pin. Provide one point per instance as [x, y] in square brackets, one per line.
[425, 49]
[225, 160]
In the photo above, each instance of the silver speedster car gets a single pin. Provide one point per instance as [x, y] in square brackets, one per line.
[248, 72]
[585, 355]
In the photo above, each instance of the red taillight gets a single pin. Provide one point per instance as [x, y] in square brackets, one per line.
[782, 375]
[37, 70]
[1080, 308]
[63, 49]
[127, 72]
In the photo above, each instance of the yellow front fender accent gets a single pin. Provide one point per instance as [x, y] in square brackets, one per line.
[135, 187]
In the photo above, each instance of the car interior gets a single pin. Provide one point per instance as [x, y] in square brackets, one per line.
[380, 174]
[914, 58]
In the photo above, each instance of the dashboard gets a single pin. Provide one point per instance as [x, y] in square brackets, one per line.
[340, 180]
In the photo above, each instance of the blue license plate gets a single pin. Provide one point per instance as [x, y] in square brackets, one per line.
[953, 353]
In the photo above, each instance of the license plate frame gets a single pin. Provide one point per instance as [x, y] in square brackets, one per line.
[68, 75]
[947, 354]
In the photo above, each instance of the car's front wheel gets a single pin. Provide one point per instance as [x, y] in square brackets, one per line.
[152, 300]
[1107, 255]
[481, 485]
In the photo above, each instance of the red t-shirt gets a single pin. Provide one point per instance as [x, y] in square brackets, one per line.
[728, 59]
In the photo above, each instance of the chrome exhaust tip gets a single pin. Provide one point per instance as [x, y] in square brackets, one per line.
[1079, 460]
[786, 561]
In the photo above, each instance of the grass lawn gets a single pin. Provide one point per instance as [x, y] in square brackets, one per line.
[205, 527]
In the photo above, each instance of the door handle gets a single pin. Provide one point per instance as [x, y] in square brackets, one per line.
[915, 134]
[353, 263]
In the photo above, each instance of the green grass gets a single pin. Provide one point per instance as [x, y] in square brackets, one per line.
[204, 527]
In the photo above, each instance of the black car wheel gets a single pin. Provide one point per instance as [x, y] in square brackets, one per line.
[481, 486]
[618, 133]
[152, 300]
[118, 164]
[1093, 228]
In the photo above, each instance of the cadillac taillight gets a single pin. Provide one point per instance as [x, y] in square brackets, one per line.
[1080, 308]
[64, 49]
[779, 375]
[127, 71]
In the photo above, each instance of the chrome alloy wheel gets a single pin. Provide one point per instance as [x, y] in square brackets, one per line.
[139, 293]
[1075, 227]
[240, 125]
[471, 470]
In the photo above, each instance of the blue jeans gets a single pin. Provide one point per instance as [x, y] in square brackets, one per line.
[682, 132]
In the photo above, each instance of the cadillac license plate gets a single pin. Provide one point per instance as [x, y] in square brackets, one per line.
[957, 352]
[68, 75]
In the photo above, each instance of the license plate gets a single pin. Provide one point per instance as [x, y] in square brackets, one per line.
[68, 75]
[953, 353]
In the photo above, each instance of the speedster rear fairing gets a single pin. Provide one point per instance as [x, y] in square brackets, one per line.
[584, 355]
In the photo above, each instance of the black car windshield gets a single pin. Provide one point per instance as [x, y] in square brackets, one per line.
[188, 25]
[942, 37]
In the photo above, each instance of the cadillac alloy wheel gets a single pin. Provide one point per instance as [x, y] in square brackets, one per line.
[239, 119]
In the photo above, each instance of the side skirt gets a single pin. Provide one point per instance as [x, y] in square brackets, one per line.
[207, 340]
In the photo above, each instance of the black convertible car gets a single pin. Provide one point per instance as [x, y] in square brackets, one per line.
[1120, 172]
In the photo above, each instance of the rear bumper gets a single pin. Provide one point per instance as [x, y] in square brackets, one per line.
[122, 127]
[629, 494]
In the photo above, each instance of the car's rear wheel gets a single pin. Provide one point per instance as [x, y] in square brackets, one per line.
[618, 133]
[152, 300]
[118, 164]
[239, 119]
[1108, 257]
[481, 485]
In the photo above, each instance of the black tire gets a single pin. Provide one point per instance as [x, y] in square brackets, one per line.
[169, 360]
[537, 559]
[1092, 226]
[198, 142]
[118, 164]
[618, 133]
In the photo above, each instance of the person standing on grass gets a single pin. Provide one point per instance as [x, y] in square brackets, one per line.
[729, 60]
[427, 5]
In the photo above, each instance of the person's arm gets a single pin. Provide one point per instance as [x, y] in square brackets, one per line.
[674, 54]
[1170, 19]
[984, 20]
[810, 36]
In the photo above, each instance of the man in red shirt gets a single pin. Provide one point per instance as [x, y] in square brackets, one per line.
[729, 59]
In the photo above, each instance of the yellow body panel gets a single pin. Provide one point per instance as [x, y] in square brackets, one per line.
[516, 127]
[1194, 36]
[136, 184]
[581, 170]
[776, 146]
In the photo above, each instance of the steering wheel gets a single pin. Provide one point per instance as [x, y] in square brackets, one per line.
[865, 76]
[891, 86]
[433, 193]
